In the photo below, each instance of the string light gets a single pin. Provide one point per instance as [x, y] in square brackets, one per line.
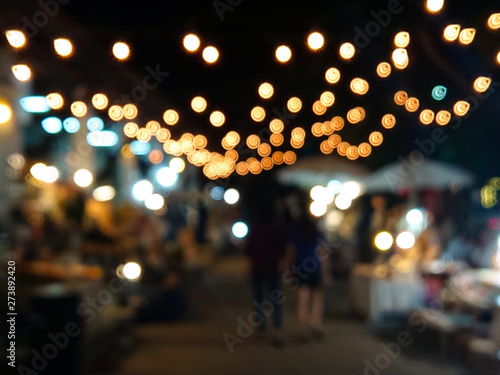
[130, 111]
[337, 123]
[400, 98]
[163, 135]
[352, 153]
[115, 112]
[22, 72]
[443, 117]
[15, 38]
[55, 100]
[315, 41]
[121, 50]
[356, 115]
[171, 117]
[451, 32]
[294, 105]
[198, 104]
[482, 84]
[347, 51]
[412, 104]
[210, 54]
[78, 109]
[327, 98]
[325, 147]
[253, 141]
[264, 149]
[461, 108]
[402, 39]
[384, 70]
[494, 21]
[276, 126]
[276, 139]
[376, 138]
[435, 6]
[153, 127]
[63, 47]
[388, 121]
[283, 54]
[426, 117]
[217, 118]
[278, 157]
[467, 36]
[191, 42]
[318, 108]
[266, 90]
[289, 157]
[258, 114]
[359, 86]
[100, 101]
[332, 75]
[317, 129]
[400, 58]
[364, 149]
[342, 148]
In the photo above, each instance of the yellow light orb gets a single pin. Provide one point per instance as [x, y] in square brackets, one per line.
[359, 86]
[115, 112]
[294, 105]
[121, 50]
[461, 108]
[21, 72]
[482, 84]
[494, 21]
[435, 6]
[130, 111]
[217, 118]
[400, 58]
[347, 51]
[210, 54]
[266, 90]
[153, 127]
[78, 109]
[55, 100]
[177, 164]
[426, 117]
[327, 98]
[467, 36]
[332, 75]
[283, 54]
[171, 117]
[191, 42]
[16, 38]
[5, 113]
[376, 139]
[443, 118]
[383, 241]
[315, 41]
[402, 39]
[412, 104]
[198, 104]
[451, 32]
[100, 101]
[388, 121]
[400, 97]
[63, 47]
[384, 70]
[258, 114]
[318, 108]
[498, 58]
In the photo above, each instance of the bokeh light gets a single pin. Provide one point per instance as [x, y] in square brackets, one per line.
[231, 196]
[383, 241]
[315, 41]
[210, 54]
[63, 47]
[83, 178]
[283, 54]
[167, 176]
[15, 38]
[142, 189]
[405, 240]
[22, 72]
[239, 229]
[104, 193]
[191, 42]
[121, 50]
[154, 202]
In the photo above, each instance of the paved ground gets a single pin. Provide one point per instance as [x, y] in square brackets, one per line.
[196, 346]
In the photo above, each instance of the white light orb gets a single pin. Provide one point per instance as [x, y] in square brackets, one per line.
[414, 217]
[177, 165]
[16, 38]
[51, 174]
[22, 72]
[104, 193]
[52, 125]
[166, 176]
[383, 241]
[283, 54]
[231, 196]
[142, 189]
[38, 171]
[121, 50]
[239, 229]
[191, 42]
[343, 202]
[315, 41]
[132, 271]
[154, 202]
[405, 240]
[5, 113]
[210, 54]
[435, 5]
[83, 178]
[317, 208]
[63, 47]
[335, 185]
[351, 189]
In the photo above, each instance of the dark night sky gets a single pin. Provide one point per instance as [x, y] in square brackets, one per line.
[246, 39]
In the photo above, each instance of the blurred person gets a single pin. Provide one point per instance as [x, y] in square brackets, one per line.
[265, 247]
[305, 247]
